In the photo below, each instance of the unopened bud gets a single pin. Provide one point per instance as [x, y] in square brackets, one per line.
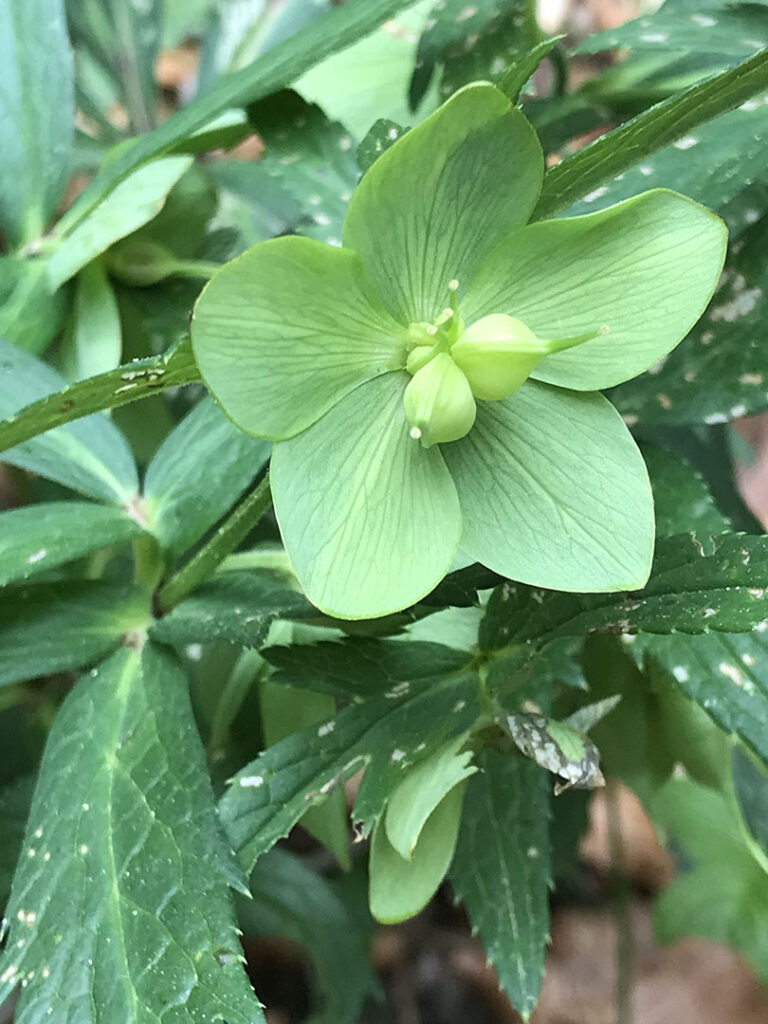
[140, 262]
[438, 402]
[497, 355]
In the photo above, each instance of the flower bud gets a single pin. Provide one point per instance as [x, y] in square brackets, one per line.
[497, 355]
[438, 402]
[140, 262]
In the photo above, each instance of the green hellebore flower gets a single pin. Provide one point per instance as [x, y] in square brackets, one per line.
[315, 347]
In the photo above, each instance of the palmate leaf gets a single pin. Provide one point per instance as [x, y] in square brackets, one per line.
[692, 589]
[120, 909]
[681, 500]
[386, 734]
[501, 870]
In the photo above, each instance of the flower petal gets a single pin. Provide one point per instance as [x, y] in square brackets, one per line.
[370, 519]
[433, 204]
[554, 492]
[286, 330]
[645, 268]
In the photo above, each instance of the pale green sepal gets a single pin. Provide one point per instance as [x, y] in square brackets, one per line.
[645, 269]
[286, 330]
[422, 789]
[370, 519]
[554, 492]
[433, 204]
[400, 888]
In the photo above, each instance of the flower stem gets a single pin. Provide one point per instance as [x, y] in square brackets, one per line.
[204, 564]
[195, 268]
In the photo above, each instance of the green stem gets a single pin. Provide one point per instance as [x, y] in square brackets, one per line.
[148, 562]
[203, 565]
[117, 387]
[195, 268]
[249, 667]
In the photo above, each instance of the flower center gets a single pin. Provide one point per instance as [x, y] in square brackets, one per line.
[453, 365]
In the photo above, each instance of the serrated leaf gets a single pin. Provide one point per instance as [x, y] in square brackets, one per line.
[58, 627]
[36, 115]
[503, 849]
[725, 673]
[514, 78]
[727, 31]
[590, 168]
[90, 456]
[382, 134]
[37, 538]
[358, 668]
[681, 499]
[715, 164]
[291, 899]
[275, 70]
[132, 203]
[691, 590]
[197, 474]
[270, 794]
[124, 803]
[313, 159]
[238, 607]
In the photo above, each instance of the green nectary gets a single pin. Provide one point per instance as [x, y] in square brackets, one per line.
[406, 424]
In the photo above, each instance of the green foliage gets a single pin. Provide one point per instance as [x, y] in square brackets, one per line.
[460, 570]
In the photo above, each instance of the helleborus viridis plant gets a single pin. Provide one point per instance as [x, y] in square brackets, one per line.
[434, 381]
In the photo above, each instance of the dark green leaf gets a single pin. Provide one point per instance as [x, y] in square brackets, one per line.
[58, 627]
[720, 165]
[362, 668]
[501, 870]
[311, 157]
[587, 171]
[37, 113]
[691, 590]
[383, 134]
[120, 908]
[750, 784]
[681, 499]
[270, 794]
[252, 202]
[14, 808]
[341, 27]
[24, 383]
[199, 472]
[39, 537]
[726, 674]
[235, 606]
[292, 900]
[91, 457]
[729, 30]
[513, 80]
